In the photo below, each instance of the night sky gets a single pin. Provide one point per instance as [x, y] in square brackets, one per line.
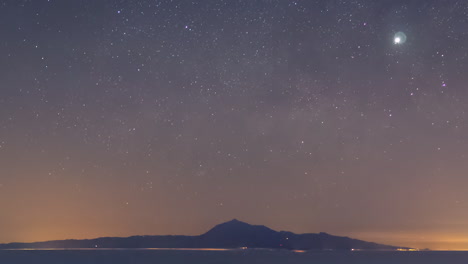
[122, 118]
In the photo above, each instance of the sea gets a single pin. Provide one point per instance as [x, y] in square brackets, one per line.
[153, 256]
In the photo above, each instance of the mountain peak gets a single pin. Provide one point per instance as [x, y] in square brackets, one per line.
[235, 221]
[241, 234]
[235, 226]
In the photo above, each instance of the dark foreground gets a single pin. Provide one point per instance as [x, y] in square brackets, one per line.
[231, 257]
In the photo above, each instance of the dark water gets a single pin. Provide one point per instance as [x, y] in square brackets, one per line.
[230, 257]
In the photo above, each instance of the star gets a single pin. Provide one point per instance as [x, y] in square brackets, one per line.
[399, 38]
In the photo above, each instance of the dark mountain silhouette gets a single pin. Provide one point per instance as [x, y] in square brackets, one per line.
[232, 234]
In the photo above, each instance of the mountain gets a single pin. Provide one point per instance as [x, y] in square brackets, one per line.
[236, 234]
[232, 234]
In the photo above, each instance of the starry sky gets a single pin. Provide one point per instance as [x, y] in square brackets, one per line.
[122, 118]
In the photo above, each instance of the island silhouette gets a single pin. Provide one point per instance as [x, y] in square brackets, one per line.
[229, 235]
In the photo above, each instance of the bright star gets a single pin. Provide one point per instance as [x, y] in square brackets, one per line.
[399, 38]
